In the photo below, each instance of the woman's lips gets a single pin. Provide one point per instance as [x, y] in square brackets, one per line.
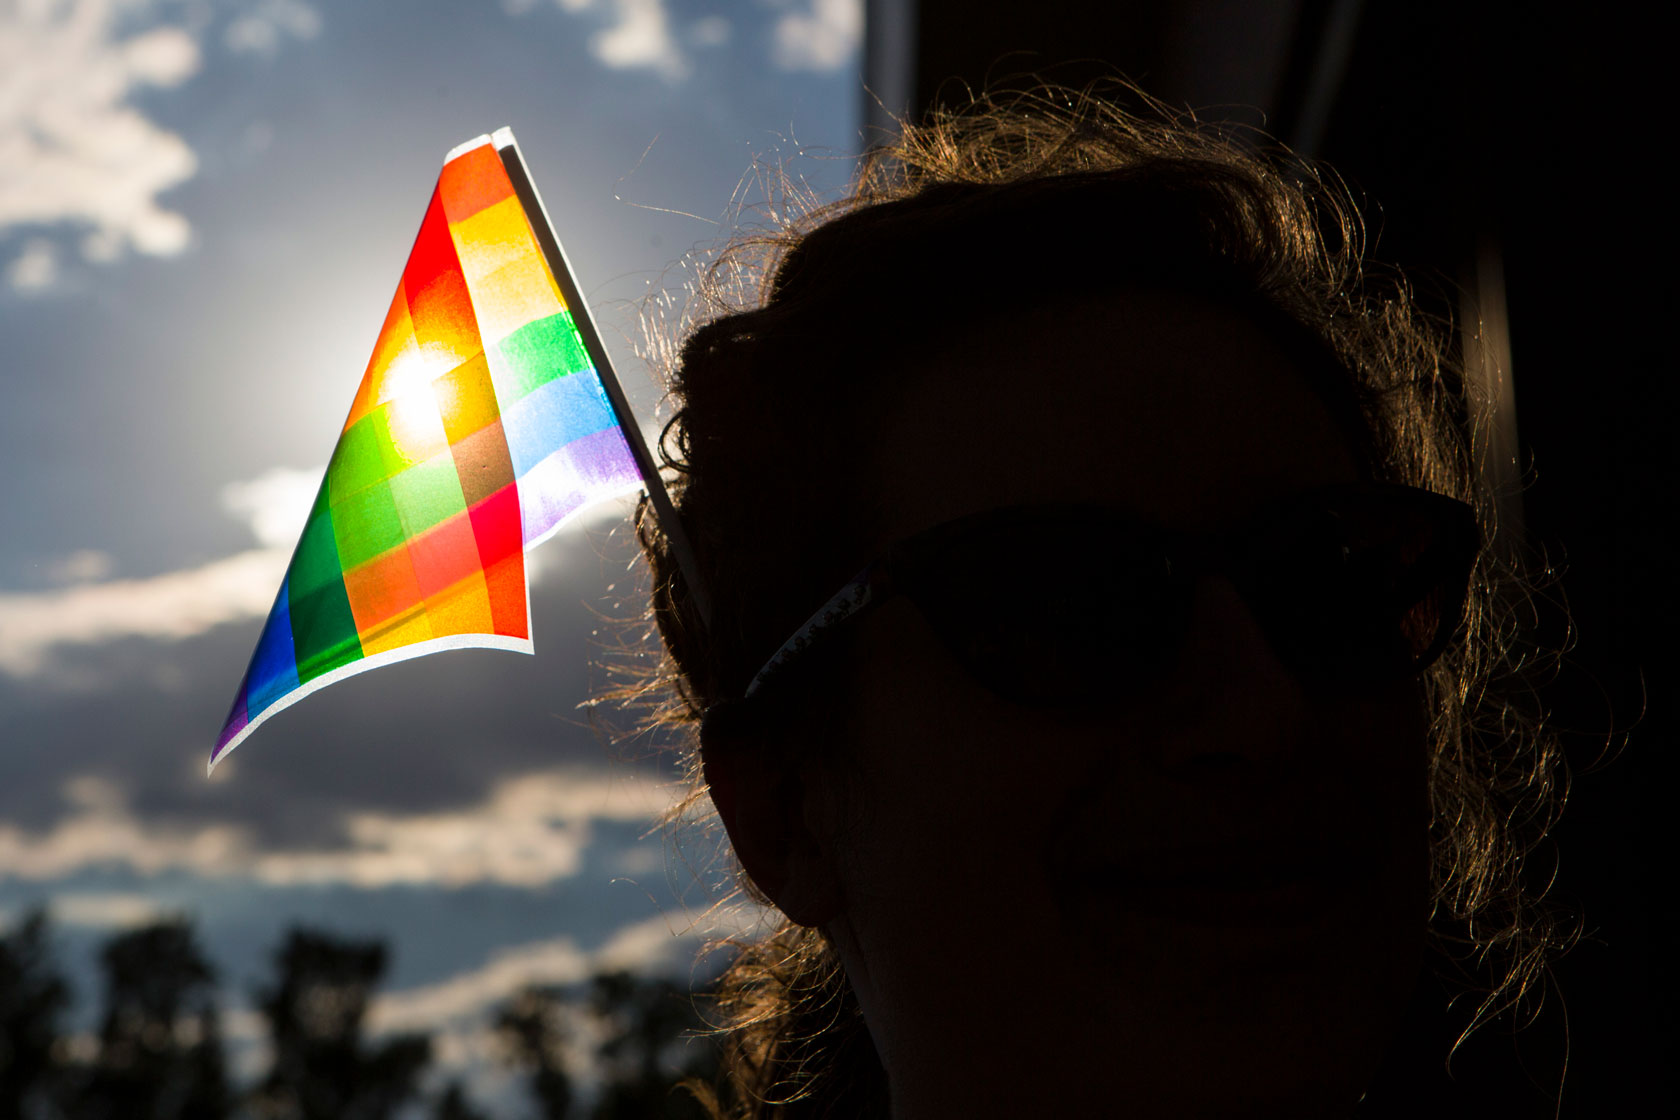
[1239, 883]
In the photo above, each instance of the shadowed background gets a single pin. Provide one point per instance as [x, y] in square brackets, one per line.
[1501, 153]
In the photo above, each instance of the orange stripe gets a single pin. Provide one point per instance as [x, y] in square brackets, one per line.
[506, 582]
[444, 554]
[473, 180]
[382, 589]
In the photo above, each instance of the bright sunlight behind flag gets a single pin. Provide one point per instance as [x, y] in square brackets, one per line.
[480, 425]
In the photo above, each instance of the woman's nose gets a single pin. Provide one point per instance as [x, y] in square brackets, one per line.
[1229, 702]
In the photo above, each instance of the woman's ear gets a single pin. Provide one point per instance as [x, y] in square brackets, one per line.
[763, 797]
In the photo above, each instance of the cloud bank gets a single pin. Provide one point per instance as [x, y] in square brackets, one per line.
[169, 607]
[74, 149]
[275, 504]
[94, 610]
[530, 831]
[71, 147]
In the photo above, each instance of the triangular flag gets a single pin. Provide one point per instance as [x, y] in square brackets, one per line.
[482, 423]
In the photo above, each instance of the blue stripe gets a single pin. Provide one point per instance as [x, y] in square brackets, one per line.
[553, 415]
[274, 665]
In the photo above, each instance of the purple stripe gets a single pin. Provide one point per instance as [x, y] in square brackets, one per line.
[236, 720]
[596, 466]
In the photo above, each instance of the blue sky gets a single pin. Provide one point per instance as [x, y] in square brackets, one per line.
[204, 208]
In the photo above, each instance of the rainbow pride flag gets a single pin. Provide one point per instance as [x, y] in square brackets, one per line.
[481, 424]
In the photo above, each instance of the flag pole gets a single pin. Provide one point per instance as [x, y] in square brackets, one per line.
[508, 148]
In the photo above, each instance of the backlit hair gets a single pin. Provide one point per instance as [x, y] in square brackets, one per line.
[1031, 198]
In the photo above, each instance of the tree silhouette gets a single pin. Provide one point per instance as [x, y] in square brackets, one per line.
[642, 1057]
[453, 1105]
[648, 1048]
[160, 1047]
[159, 1051]
[32, 996]
[533, 1036]
[323, 1069]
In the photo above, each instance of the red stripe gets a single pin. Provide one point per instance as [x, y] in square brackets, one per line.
[438, 300]
[501, 549]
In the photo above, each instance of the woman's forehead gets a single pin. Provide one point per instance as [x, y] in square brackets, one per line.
[1165, 405]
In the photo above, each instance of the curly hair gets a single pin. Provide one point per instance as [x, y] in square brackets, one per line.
[765, 376]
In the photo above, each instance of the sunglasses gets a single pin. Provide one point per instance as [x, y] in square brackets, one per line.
[1053, 605]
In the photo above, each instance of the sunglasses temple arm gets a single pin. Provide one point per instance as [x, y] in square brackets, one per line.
[848, 601]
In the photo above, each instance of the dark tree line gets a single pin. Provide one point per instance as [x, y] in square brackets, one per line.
[158, 1053]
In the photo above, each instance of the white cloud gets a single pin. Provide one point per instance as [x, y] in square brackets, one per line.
[826, 37]
[275, 504]
[457, 1012]
[651, 947]
[530, 831]
[83, 566]
[250, 1050]
[637, 35]
[640, 38]
[174, 606]
[100, 831]
[100, 910]
[168, 607]
[470, 994]
[711, 31]
[549, 559]
[75, 151]
[95, 609]
[36, 268]
[263, 28]
[72, 150]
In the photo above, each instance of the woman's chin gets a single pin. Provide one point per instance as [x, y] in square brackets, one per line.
[1219, 1006]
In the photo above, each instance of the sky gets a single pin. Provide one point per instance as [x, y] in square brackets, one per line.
[204, 209]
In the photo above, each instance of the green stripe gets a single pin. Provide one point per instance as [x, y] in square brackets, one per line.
[366, 524]
[536, 354]
[323, 629]
[428, 493]
[315, 564]
[367, 453]
[324, 633]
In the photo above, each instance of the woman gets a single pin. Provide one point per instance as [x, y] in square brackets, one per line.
[1100, 628]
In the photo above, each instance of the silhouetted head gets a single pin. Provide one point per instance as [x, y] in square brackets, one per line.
[1088, 547]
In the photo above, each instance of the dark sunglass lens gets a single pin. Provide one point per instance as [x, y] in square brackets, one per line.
[1049, 613]
[1368, 588]
[1067, 610]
